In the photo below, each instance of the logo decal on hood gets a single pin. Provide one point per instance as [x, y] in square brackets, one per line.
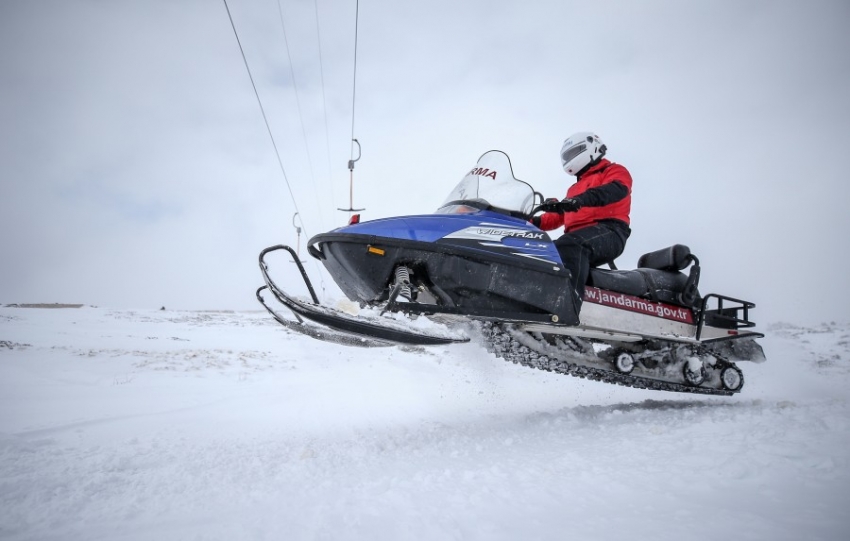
[511, 233]
[482, 232]
[480, 171]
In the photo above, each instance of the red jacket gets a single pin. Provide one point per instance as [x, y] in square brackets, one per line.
[600, 174]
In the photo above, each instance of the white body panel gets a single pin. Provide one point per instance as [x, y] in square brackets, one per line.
[609, 323]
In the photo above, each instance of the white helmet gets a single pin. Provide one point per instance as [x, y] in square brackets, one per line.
[580, 150]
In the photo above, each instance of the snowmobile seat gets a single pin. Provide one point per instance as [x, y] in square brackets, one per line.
[658, 277]
[654, 284]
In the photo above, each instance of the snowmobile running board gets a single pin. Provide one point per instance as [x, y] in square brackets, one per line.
[345, 329]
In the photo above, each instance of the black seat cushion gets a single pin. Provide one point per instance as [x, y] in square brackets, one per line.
[622, 281]
[657, 285]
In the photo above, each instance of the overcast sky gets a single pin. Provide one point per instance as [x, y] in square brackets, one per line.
[137, 170]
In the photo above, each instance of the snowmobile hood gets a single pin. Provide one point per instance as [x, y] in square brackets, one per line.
[481, 231]
[433, 227]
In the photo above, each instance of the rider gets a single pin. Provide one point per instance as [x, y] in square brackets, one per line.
[595, 213]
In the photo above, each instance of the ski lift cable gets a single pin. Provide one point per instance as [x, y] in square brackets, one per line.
[271, 136]
[324, 101]
[354, 79]
[353, 109]
[262, 110]
[306, 147]
[300, 111]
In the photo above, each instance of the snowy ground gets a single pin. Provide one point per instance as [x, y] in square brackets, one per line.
[189, 425]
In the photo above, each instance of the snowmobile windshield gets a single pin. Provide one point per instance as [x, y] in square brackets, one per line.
[491, 185]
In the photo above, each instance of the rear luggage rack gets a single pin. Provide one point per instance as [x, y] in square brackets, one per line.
[724, 316]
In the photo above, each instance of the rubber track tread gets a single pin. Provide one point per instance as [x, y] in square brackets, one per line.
[503, 345]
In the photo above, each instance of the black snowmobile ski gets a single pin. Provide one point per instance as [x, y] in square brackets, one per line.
[320, 333]
[350, 330]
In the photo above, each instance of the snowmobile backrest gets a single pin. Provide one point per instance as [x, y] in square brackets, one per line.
[673, 258]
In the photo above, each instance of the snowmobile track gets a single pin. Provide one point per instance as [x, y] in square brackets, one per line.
[503, 345]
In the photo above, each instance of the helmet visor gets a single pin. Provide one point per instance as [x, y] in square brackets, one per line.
[569, 154]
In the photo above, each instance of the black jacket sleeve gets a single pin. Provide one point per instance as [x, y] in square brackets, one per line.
[603, 195]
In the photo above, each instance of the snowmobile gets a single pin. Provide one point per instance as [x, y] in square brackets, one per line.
[479, 259]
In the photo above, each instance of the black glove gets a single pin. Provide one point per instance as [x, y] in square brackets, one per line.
[566, 205]
[535, 221]
[569, 205]
[551, 205]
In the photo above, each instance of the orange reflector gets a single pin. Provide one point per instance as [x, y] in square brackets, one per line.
[373, 250]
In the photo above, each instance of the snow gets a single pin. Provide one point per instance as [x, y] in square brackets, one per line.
[126, 425]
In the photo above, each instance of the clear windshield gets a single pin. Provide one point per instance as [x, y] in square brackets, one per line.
[491, 183]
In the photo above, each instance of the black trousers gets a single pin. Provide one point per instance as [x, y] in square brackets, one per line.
[590, 247]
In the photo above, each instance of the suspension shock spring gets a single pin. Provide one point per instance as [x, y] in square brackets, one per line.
[402, 277]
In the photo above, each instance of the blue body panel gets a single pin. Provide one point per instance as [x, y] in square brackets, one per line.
[425, 228]
[461, 229]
